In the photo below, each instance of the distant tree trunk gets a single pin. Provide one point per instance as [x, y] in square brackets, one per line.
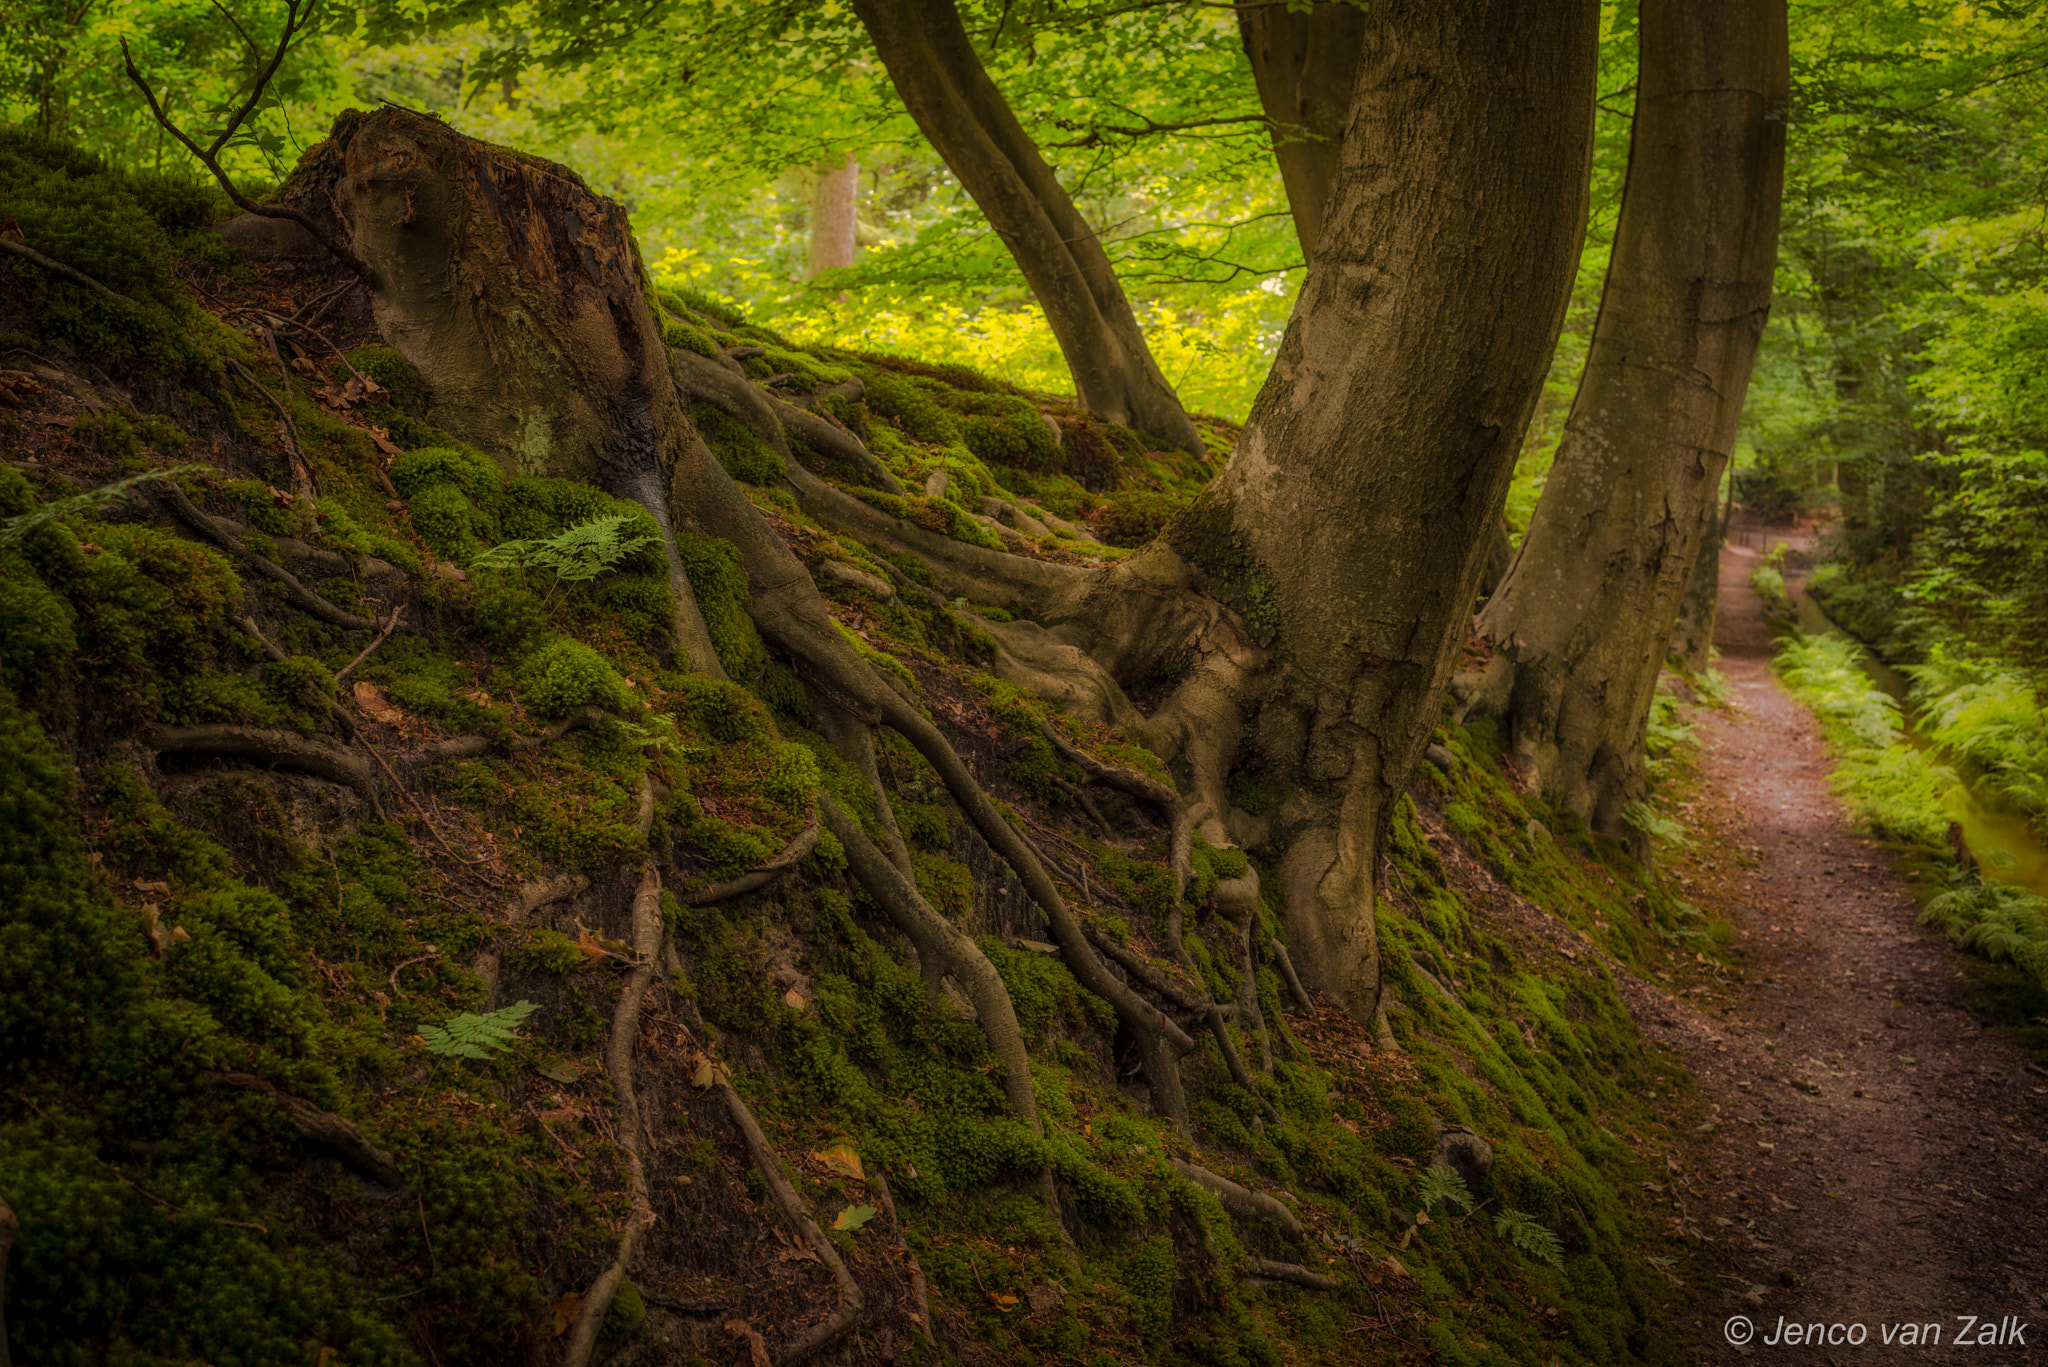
[1305, 66]
[944, 86]
[834, 208]
[1583, 620]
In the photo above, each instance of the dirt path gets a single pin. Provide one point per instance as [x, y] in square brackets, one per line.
[1875, 1157]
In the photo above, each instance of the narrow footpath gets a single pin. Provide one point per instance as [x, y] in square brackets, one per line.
[1874, 1157]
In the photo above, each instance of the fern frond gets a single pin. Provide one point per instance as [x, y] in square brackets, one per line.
[472, 1036]
[1529, 1238]
[1442, 1183]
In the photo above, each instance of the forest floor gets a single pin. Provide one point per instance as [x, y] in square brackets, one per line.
[1873, 1155]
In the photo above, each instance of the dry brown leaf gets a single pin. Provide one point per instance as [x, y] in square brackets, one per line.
[564, 1313]
[155, 885]
[371, 699]
[794, 998]
[842, 1159]
[757, 1349]
[382, 437]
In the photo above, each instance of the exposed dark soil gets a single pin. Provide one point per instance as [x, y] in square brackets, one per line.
[1873, 1154]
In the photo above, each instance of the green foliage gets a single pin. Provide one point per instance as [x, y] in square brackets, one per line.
[1767, 581]
[738, 447]
[1205, 533]
[1441, 1183]
[1895, 789]
[2004, 924]
[469, 1035]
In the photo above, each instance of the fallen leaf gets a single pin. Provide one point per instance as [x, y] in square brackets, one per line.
[559, 1072]
[564, 1313]
[756, 1348]
[152, 929]
[1394, 1266]
[842, 1159]
[155, 885]
[179, 935]
[1422, 1217]
[794, 998]
[853, 1217]
[371, 699]
[382, 437]
[1003, 1303]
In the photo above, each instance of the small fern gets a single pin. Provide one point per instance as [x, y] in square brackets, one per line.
[472, 1036]
[1442, 1183]
[14, 529]
[1657, 826]
[1529, 1238]
[575, 555]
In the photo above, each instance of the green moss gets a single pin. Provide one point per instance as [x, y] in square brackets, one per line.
[564, 675]
[738, 447]
[410, 392]
[1205, 534]
[1006, 431]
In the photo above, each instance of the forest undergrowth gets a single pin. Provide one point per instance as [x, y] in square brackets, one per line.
[339, 1022]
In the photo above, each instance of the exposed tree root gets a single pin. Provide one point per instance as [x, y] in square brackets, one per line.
[323, 1127]
[830, 439]
[9, 1227]
[618, 1063]
[851, 737]
[1183, 995]
[942, 948]
[287, 432]
[753, 880]
[1293, 980]
[272, 748]
[920, 1294]
[1241, 1203]
[76, 277]
[530, 898]
[368, 650]
[851, 1302]
[297, 594]
[1291, 1272]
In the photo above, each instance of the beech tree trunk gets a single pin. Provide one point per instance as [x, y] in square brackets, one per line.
[834, 216]
[944, 86]
[1348, 533]
[1306, 66]
[1583, 619]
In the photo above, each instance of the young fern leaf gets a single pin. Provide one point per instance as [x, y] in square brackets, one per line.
[472, 1036]
[1442, 1183]
[1529, 1238]
[15, 528]
[576, 554]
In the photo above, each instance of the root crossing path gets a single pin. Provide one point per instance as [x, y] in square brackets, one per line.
[1871, 1155]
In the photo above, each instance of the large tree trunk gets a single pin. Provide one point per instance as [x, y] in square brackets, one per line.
[835, 209]
[944, 86]
[1305, 66]
[1583, 619]
[1350, 528]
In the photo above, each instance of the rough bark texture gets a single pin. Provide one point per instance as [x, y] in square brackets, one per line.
[520, 297]
[833, 216]
[944, 86]
[1583, 619]
[1305, 66]
[1318, 590]
[1692, 640]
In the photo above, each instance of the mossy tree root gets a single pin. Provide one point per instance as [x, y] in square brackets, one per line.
[1241, 1203]
[754, 879]
[76, 277]
[322, 1127]
[618, 1063]
[278, 748]
[942, 948]
[1294, 1273]
[297, 594]
[851, 1303]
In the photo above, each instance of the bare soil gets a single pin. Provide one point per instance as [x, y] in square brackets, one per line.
[1872, 1154]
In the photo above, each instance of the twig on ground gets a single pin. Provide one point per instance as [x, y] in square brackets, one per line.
[295, 592]
[1288, 976]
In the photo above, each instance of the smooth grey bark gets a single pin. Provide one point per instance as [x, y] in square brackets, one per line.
[1347, 535]
[1305, 67]
[834, 216]
[964, 116]
[1583, 619]
[1692, 639]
